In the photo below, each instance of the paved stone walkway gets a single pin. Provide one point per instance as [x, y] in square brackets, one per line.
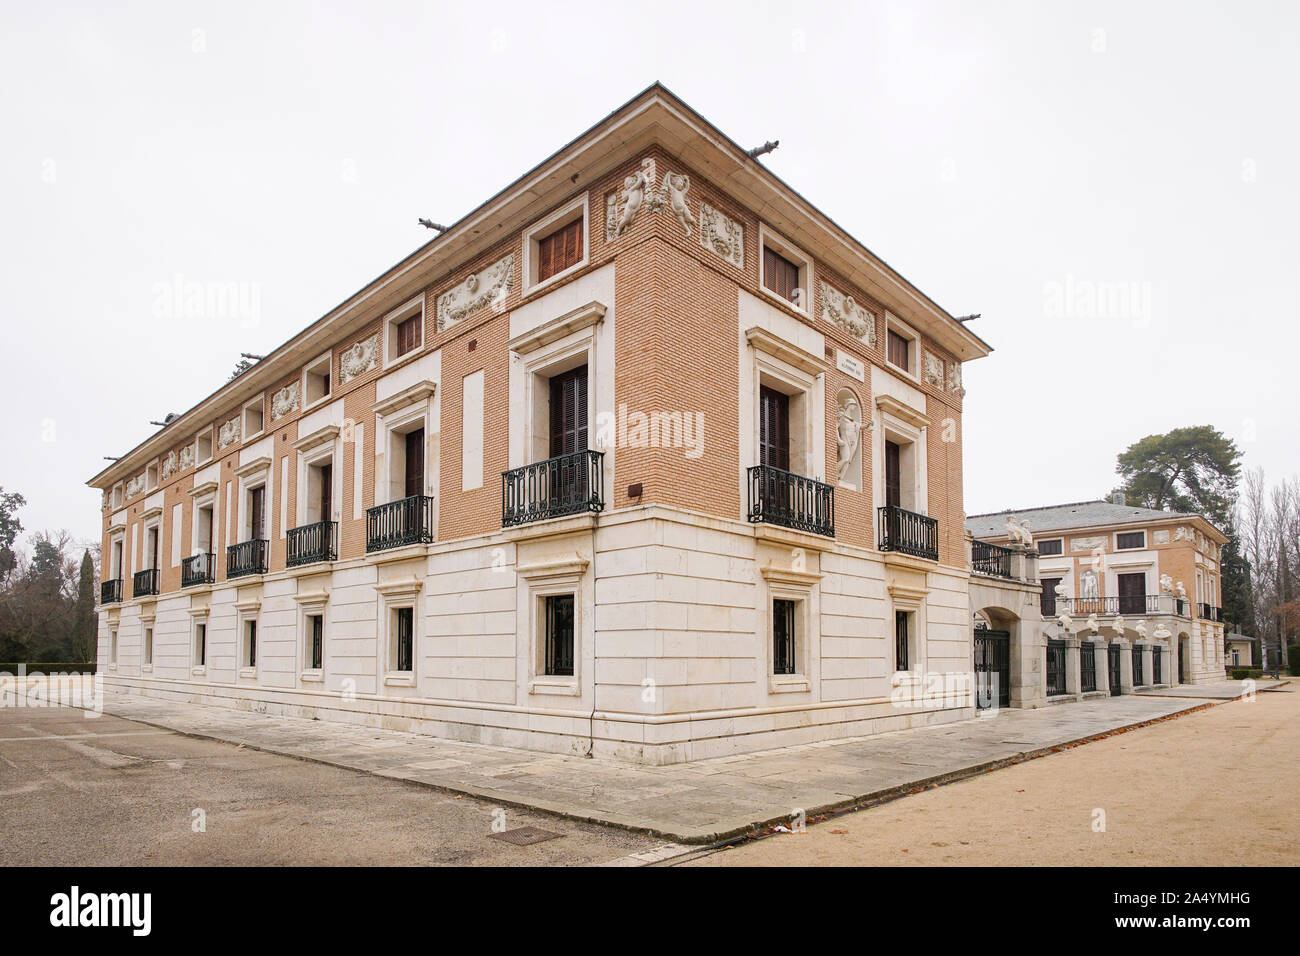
[699, 802]
[1218, 690]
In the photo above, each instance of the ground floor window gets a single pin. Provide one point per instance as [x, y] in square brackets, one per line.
[250, 644]
[902, 638]
[783, 636]
[315, 640]
[559, 635]
[148, 645]
[112, 648]
[403, 639]
[200, 644]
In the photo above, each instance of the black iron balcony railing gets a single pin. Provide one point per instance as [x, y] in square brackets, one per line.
[792, 501]
[1208, 612]
[110, 592]
[398, 523]
[144, 583]
[198, 569]
[990, 559]
[312, 543]
[908, 533]
[567, 485]
[247, 557]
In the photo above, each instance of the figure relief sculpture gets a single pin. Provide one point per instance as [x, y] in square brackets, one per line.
[848, 433]
[1090, 589]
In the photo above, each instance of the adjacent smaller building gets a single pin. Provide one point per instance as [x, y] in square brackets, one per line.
[1240, 649]
[1142, 585]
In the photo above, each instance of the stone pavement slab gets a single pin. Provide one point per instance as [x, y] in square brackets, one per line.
[699, 802]
[1218, 690]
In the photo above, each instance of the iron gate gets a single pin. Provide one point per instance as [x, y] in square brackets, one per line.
[992, 668]
[1055, 668]
[1181, 672]
[1113, 664]
[1155, 665]
[1137, 666]
[1087, 667]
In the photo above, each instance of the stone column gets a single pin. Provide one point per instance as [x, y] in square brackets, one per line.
[1073, 676]
[1125, 665]
[1099, 659]
[1148, 672]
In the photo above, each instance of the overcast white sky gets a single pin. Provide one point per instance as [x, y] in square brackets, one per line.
[1011, 159]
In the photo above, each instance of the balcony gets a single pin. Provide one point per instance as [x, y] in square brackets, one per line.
[398, 523]
[198, 569]
[567, 485]
[312, 543]
[247, 557]
[1208, 612]
[144, 583]
[908, 533]
[110, 592]
[792, 501]
[1134, 605]
[990, 559]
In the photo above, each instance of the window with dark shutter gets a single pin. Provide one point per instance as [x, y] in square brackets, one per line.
[1047, 600]
[256, 521]
[783, 659]
[897, 350]
[251, 659]
[1051, 546]
[901, 657]
[1130, 539]
[893, 475]
[560, 250]
[559, 635]
[408, 334]
[569, 412]
[414, 463]
[326, 492]
[405, 639]
[317, 641]
[780, 275]
[773, 428]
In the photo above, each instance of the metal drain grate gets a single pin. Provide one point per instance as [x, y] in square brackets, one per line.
[525, 836]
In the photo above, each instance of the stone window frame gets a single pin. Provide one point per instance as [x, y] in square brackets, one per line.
[313, 368]
[246, 611]
[204, 438]
[576, 208]
[395, 317]
[802, 588]
[400, 414]
[904, 425]
[390, 598]
[204, 496]
[151, 472]
[894, 324]
[911, 601]
[565, 575]
[769, 238]
[198, 618]
[776, 363]
[1141, 547]
[310, 605]
[256, 474]
[247, 434]
[320, 447]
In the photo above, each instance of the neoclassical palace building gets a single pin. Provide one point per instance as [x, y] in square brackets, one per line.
[1139, 591]
[644, 457]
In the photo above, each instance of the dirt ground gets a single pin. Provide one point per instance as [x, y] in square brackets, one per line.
[1218, 787]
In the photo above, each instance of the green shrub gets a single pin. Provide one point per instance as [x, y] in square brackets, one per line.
[1244, 673]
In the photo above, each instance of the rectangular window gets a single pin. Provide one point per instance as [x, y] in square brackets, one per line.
[112, 648]
[569, 412]
[893, 474]
[256, 512]
[1051, 546]
[560, 250]
[1132, 593]
[200, 645]
[773, 428]
[250, 643]
[1128, 540]
[898, 351]
[780, 275]
[783, 649]
[559, 635]
[902, 659]
[316, 641]
[404, 642]
[414, 483]
[148, 645]
[1047, 602]
[408, 334]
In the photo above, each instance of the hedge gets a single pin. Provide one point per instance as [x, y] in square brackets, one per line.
[48, 667]
[1245, 673]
